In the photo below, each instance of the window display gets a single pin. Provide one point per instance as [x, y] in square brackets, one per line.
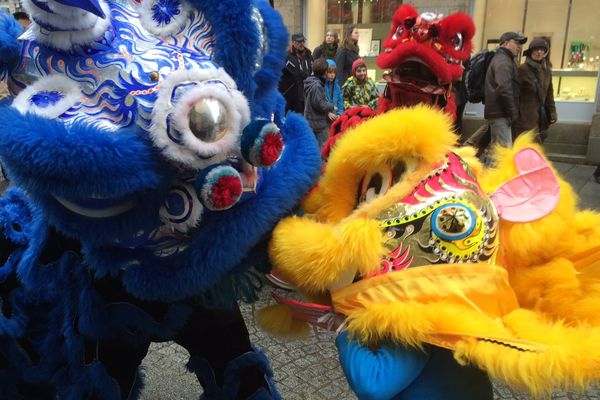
[571, 28]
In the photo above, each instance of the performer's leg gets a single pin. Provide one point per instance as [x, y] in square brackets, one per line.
[444, 378]
[121, 360]
[222, 356]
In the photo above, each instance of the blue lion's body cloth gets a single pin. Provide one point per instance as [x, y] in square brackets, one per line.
[137, 215]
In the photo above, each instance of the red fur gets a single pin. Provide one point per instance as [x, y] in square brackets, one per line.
[451, 25]
[431, 42]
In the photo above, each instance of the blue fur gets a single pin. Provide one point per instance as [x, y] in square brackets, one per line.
[59, 309]
[10, 30]
[267, 78]
[78, 160]
[47, 159]
[235, 45]
[223, 238]
[230, 387]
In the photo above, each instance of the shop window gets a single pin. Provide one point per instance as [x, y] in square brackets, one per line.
[361, 11]
[570, 26]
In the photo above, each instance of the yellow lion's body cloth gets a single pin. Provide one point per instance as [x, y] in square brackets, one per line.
[519, 300]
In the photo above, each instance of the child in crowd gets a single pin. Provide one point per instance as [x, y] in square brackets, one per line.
[359, 89]
[317, 110]
[333, 92]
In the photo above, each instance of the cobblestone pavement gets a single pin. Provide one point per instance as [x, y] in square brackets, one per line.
[308, 369]
[305, 369]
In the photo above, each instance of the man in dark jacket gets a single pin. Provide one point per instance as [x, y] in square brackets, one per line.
[298, 64]
[502, 90]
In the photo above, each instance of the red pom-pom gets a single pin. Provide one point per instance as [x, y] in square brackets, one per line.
[271, 148]
[226, 191]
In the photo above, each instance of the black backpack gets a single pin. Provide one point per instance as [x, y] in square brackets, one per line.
[475, 76]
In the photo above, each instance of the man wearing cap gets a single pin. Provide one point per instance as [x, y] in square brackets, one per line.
[298, 66]
[502, 90]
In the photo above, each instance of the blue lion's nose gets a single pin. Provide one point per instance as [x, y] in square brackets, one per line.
[92, 6]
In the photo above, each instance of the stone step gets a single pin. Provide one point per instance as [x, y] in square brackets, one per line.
[569, 132]
[567, 158]
[566, 148]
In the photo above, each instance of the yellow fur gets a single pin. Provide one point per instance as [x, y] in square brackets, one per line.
[419, 133]
[312, 256]
[540, 255]
[571, 359]
[277, 320]
[560, 314]
[561, 355]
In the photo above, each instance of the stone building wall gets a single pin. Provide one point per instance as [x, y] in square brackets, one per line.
[291, 11]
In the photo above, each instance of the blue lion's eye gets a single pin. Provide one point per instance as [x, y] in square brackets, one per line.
[164, 10]
[46, 98]
[208, 120]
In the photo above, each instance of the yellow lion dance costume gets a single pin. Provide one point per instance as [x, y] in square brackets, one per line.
[410, 240]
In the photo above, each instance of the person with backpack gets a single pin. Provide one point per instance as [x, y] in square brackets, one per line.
[502, 90]
[536, 97]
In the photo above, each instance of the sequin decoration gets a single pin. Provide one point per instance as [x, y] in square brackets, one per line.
[446, 219]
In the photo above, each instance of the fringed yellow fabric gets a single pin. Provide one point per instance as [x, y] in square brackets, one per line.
[570, 358]
[474, 313]
[277, 320]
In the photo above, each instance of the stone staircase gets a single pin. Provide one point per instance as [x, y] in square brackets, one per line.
[566, 142]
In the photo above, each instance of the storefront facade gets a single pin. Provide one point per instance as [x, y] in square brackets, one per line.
[571, 26]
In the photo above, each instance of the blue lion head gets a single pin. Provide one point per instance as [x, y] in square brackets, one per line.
[152, 131]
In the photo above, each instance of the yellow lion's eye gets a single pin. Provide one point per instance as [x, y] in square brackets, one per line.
[378, 182]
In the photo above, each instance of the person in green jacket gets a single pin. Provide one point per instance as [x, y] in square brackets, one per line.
[359, 89]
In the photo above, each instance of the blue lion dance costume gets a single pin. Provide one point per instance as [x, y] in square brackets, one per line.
[149, 159]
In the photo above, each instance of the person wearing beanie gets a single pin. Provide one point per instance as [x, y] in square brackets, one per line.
[537, 110]
[333, 91]
[317, 110]
[359, 89]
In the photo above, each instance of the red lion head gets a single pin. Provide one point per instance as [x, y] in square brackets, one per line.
[423, 55]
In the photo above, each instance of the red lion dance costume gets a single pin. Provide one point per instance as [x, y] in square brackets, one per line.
[422, 57]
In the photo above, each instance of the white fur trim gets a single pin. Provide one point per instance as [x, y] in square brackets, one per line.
[191, 205]
[70, 89]
[177, 23]
[82, 26]
[193, 149]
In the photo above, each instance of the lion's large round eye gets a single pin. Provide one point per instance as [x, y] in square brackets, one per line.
[457, 41]
[377, 183]
[208, 120]
[398, 33]
[374, 185]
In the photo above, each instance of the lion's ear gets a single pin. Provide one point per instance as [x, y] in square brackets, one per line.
[10, 30]
[532, 194]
